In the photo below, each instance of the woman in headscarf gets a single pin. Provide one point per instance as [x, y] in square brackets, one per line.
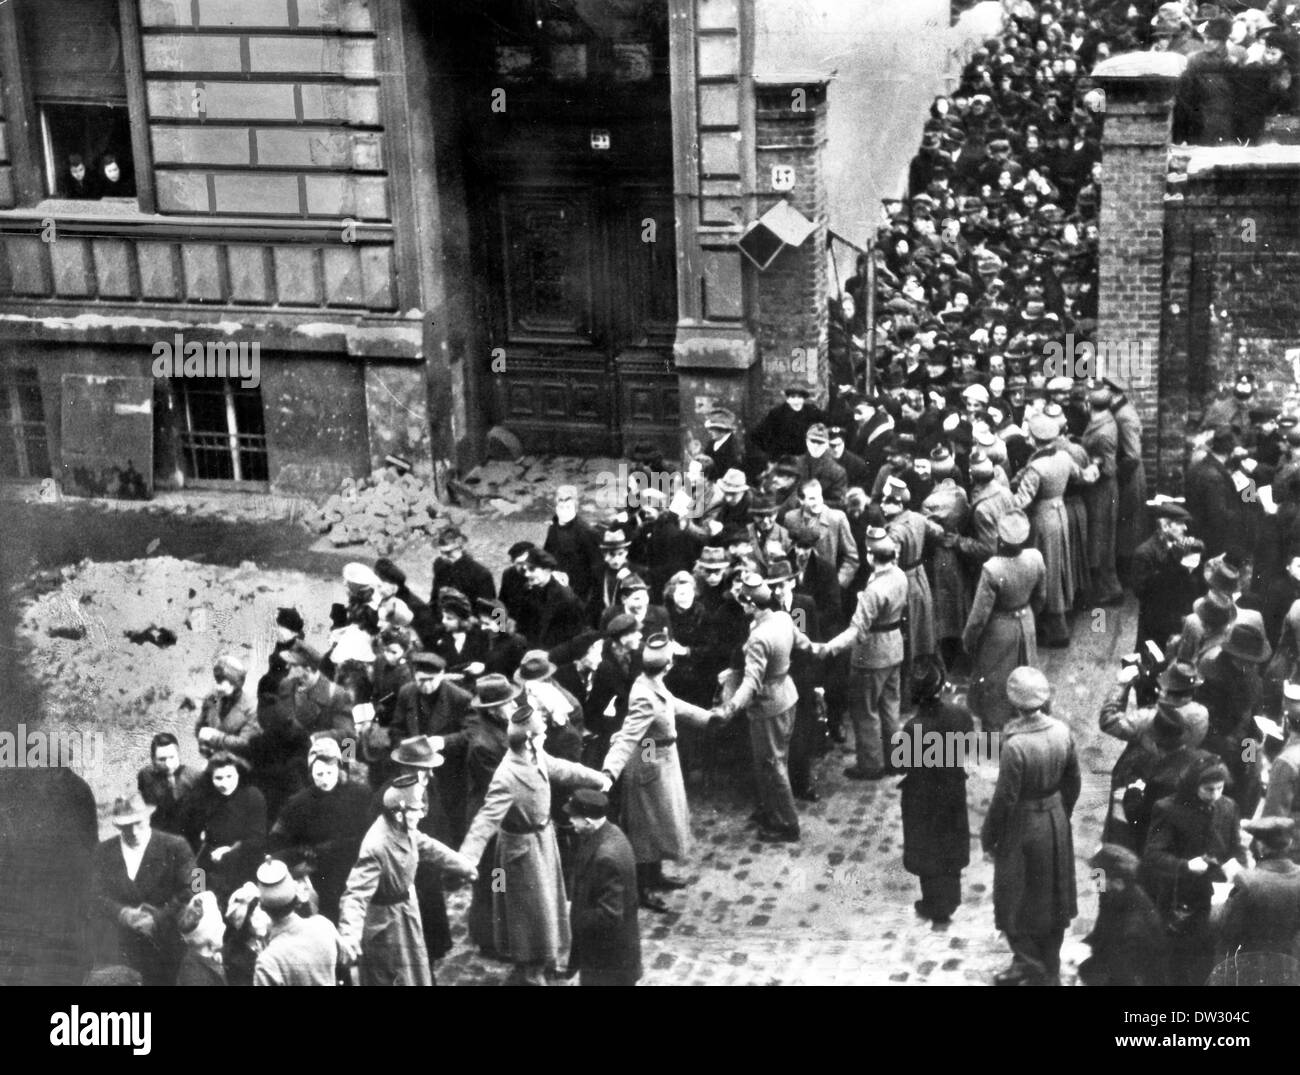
[225, 822]
[227, 721]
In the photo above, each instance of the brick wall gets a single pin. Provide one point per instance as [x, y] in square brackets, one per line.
[1230, 301]
[791, 316]
[1139, 93]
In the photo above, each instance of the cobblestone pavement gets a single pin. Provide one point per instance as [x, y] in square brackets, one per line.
[836, 908]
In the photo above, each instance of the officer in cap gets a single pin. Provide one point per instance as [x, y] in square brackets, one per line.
[299, 950]
[1263, 908]
[1027, 833]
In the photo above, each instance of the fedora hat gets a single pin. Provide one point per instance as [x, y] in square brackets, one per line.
[417, 752]
[720, 418]
[453, 601]
[778, 571]
[1215, 609]
[1179, 678]
[1027, 688]
[613, 539]
[428, 663]
[733, 482]
[712, 556]
[493, 690]
[129, 809]
[631, 583]
[1246, 642]
[360, 576]
[536, 664]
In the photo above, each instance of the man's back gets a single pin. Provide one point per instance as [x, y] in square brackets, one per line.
[300, 951]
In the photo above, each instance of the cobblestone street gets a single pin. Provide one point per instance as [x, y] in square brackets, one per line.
[836, 909]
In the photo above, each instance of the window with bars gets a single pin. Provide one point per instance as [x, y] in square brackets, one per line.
[23, 449]
[223, 437]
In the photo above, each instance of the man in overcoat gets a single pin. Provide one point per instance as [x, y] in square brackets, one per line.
[606, 946]
[1027, 831]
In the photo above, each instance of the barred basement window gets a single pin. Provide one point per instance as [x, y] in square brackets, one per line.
[23, 449]
[223, 439]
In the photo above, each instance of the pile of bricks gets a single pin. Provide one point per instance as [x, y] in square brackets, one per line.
[381, 511]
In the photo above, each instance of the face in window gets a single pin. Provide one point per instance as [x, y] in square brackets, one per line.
[112, 171]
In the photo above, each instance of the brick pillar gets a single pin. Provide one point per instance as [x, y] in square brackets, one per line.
[1139, 90]
[791, 314]
[711, 55]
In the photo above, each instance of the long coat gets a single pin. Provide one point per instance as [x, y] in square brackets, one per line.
[1101, 440]
[1164, 589]
[988, 503]
[908, 531]
[644, 751]
[329, 825]
[1077, 516]
[947, 508]
[1042, 486]
[1218, 513]
[379, 907]
[936, 826]
[1027, 828]
[1263, 911]
[1130, 524]
[1000, 633]
[532, 921]
[603, 915]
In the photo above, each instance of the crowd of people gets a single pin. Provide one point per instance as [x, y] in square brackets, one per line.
[819, 576]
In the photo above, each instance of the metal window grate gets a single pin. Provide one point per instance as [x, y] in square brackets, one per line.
[223, 437]
[24, 451]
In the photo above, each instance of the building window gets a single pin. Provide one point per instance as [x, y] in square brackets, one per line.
[79, 65]
[223, 437]
[23, 449]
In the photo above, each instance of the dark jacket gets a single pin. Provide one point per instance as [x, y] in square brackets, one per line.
[782, 430]
[1263, 909]
[1164, 589]
[1128, 942]
[466, 575]
[1183, 828]
[165, 798]
[551, 615]
[603, 914]
[1216, 508]
[163, 883]
[936, 826]
[670, 547]
[576, 547]
[238, 821]
[821, 582]
[324, 828]
[195, 970]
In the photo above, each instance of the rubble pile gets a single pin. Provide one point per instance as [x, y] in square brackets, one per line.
[381, 511]
[504, 488]
[97, 641]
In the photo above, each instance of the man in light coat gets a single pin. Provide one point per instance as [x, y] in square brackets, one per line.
[379, 915]
[835, 544]
[1027, 833]
[532, 920]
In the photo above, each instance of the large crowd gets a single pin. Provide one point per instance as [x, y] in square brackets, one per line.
[818, 577]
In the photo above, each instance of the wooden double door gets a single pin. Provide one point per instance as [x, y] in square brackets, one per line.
[582, 284]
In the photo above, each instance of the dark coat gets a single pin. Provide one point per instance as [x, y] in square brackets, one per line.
[576, 547]
[1232, 696]
[466, 575]
[687, 679]
[238, 821]
[163, 882]
[670, 548]
[726, 456]
[1027, 828]
[1263, 910]
[195, 970]
[1164, 588]
[782, 430]
[1218, 517]
[513, 588]
[445, 712]
[551, 615]
[325, 827]
[165, 798]
[1128, 942]
[606, 936]
[1184, 828]
[820, 581]
[612, 682]
[936, 826]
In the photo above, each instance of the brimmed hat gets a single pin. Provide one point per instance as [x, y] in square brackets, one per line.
[720, 418]
[489, 607]
[762, 506]
[818, 433]
[275, 885]
[1013, 528]
[712, 556]
[879, 541]
[1167, 725]
[733, 481]
[1179, 678]
[360, 577]
[536, 664]
[1215, 610]
[587, 802]
[1246, 642]
[1116, 861]
[1275, 832]
[1168, 510]
[129, 809]
[417, 753]
[542, 559]
[778, 570]
[1027, 688]
[754, 588]
[613, 539]
[290, 619]
[324, 748]
[493, 690]
[797, 389]
[403, 793]
[1223, 576]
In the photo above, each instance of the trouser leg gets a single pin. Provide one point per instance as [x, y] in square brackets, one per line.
[803, 743]
[864, 707]
[941, 893]
[890, 706]
[770, 739]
